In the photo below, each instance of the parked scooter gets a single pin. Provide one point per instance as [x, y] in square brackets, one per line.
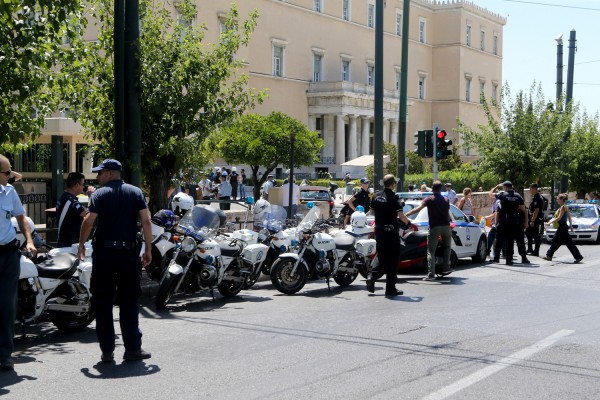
[319, 255]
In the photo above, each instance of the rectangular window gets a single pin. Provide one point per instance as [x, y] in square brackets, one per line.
[482, 46]
[317, 68]
[495, 48]
[421, 88]
[495, 92]
[398, 23]
[422, 29]
[318, 5]
[370, 75]
[481, 92]
[371, 16]
[468, 90]
[346, 10]
[277, 61]
[469, 35]
[398, 80]
[345, 70]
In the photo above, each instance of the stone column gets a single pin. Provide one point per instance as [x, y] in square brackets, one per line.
[312, 122]
[353, 138]
[340, 140]
[366, 121]
[386, 137]
[394, 132]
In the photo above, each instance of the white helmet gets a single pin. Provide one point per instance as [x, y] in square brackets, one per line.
[262, 209]
[358, 219]
[182, 203]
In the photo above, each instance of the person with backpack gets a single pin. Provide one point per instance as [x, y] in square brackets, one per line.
[535, 220]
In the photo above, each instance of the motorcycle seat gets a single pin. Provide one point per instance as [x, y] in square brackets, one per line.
[344, 242]
[415, 237]
[230, 248]
[60, 266]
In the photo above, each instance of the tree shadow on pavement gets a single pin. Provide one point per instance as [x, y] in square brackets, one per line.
[126, 369]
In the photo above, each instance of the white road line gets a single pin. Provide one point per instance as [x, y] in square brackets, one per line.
[497, 366]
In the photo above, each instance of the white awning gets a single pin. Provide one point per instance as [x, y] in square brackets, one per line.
[364, 161]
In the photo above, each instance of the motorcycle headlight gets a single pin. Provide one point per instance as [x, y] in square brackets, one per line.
[188, 245]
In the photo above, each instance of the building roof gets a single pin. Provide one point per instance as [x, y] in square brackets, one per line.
[364, 161]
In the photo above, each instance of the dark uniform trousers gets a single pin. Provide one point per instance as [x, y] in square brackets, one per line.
[387, 253]
[534, 236]
[116, 272]
[507, 234]
[9, 278]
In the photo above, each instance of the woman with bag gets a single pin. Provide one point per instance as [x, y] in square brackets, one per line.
[562, 230]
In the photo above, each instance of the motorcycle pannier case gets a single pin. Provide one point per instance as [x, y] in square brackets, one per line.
[366, 247]
[255, 253]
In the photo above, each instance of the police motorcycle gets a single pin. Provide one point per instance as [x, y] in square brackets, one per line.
[163, 224]
[54, 285]
[270, 223]
[203, 259]
[319, 255]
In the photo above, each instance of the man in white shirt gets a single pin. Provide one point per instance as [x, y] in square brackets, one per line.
[285, 190]
[451, 193]
[206, 187]
[268, 185]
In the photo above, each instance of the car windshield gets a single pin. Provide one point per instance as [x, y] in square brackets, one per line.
[583, 212]
[314, 195]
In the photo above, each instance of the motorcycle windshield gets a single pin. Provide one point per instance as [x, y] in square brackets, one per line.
[200, 219]
[310, 218]
[275, 220]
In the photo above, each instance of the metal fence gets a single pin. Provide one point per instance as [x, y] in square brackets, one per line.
[35, 206]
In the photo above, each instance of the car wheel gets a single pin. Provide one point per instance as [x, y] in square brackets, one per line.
[481, 252]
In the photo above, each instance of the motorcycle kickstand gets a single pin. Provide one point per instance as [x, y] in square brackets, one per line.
[212, 293]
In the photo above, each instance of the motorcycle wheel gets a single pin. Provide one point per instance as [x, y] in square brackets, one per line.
[364, 272]
[282, 278]
[70, 322]
[231, 288]
[346, 278]
[165, 291]
[481, 253]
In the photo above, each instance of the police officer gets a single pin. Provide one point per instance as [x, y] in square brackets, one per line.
[70, 211]
[116, 267]
[387, 207]
[536, 220]
[512, 220]
[9, 261]
[361, 198]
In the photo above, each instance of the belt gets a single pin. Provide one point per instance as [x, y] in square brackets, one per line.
[117, 244]
[386, 228]
[8, 246]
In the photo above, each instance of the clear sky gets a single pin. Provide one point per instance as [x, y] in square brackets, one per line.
[530, 48]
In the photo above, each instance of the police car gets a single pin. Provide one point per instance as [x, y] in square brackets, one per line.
[470, 239]
[586, 222]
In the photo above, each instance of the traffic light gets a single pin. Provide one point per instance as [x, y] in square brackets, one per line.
[429, 143]
[420, 143]
[442, 145]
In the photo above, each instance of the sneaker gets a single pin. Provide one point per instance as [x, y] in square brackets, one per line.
[578, 259]
[370, 286]
[107, 357]
[547, 258]
[393, 292]
[447, 272]
[7, 364]
[524, 260]
[136, 355]
[429, 277]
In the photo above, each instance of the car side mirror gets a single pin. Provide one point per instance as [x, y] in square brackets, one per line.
[471, 218]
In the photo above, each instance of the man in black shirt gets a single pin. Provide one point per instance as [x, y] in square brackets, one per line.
[536, 219]
[70, 211]
[362, 198]
[438, 212]
[388, 209]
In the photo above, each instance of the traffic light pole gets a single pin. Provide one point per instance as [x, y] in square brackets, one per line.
[436, 128]
[401, 169]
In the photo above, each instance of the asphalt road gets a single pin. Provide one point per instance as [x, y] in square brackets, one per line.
[488, 332]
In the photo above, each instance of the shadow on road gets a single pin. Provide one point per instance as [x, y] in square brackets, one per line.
[126, 369]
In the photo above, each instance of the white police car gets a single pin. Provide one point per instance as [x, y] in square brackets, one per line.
[470, 239]
[586, 222]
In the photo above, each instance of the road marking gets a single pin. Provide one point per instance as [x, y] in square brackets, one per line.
[514, 358]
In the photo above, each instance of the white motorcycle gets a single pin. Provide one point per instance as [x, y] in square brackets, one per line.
[204, 260]
[163, 225]
[319, 255]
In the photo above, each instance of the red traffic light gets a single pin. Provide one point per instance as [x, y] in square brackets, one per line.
[441, 134]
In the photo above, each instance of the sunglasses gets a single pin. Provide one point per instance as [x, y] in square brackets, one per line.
[7, 173]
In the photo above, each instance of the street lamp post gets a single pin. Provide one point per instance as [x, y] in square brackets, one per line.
[291, 176]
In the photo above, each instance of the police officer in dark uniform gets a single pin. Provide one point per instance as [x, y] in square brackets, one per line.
[512, 220]
[387, 207]
[536, 221]
[116, 267]
[361, 198]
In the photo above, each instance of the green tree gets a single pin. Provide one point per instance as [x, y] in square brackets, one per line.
[584, 154]
[522, 140]
[186, 88]
[31, 56]
[264, 142]
[415, 163]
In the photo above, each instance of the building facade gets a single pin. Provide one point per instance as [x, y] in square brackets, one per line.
[316, 57]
